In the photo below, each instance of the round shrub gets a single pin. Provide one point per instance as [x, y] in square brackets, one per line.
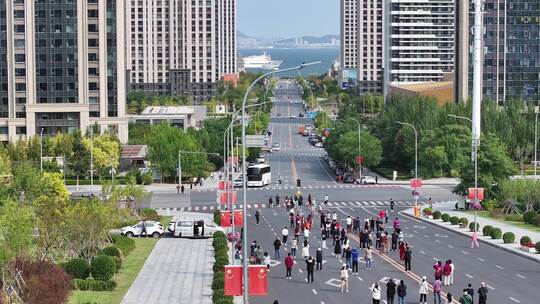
[150, 214]
[537, 247]
[219, 243]
[529, 216]
[77, 268]
[525, 240]
[125, 244]
[509, 238]
[427, 211]
[222, 252]
[219, 234]
[118, 263]
[218, 281]
[103, 267]
[454, 220]
[471, 226]
[463, 222]
[436, 215]
[496, 233]
[112, 251]
[217, 219]
[445, 217]
[536, 220]
[487, 230]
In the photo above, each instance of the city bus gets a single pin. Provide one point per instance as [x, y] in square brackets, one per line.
[258, 175]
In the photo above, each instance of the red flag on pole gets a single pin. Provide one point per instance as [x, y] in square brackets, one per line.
[222, 185]
[233, 197]
[233, 280]
[226, 219]
[238, 218]
[416, 183]
[479, 191]
[359, 159]
[258, 280]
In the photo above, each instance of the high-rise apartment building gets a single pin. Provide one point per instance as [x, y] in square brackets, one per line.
[511, 68]
[181, 47]
[348, 55]
[370, 45]
[419, 41]
[461, 51]
[61, 67]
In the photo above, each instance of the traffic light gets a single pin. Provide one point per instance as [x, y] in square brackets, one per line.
[298, 183]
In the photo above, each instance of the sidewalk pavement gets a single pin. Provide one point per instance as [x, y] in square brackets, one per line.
[177, 271]
[449, 207]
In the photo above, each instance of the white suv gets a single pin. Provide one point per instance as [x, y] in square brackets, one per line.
[153, 229]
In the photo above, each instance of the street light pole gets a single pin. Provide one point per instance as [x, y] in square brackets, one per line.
[41, 151]
[91, 160]
[475, 143]
[244, 189]
[188, 152]
[415, 147]
[535, 143]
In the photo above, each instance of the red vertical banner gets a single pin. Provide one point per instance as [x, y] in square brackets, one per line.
[258, 280]
[232, 280]
[238, 218]
[225, 219]
[479, 191]
[233, 197]
[359, 159]
[221, 185]
[416, 183]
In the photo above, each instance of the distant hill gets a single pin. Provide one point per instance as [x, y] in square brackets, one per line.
[246, 41]
[311, 39]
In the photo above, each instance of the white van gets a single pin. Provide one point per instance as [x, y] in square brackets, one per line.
[195, 229]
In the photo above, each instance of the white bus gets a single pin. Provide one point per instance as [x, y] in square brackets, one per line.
[258, 175]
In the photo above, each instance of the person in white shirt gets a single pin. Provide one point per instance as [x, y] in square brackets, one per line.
[376, 293]
[306, 233]
[334, 216]
[326, 199]
[349, 224]
[423, 290]
[285, 234]
[344, 278]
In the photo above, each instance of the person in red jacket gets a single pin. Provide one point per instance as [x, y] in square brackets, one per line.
[289, 262]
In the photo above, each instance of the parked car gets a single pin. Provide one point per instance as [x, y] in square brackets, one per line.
[292, 116]
[319, 145]
[153, 229]
[195, 229]
[237, 182]
[275, 147]
[348, 178]
[367, 179]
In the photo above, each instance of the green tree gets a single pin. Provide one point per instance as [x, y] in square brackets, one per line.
[78, 161]
[106, 152]
[51, 213]
[16, 224]
[437, 157]
[5, 162]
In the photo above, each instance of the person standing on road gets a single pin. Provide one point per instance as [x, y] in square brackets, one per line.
[438, 270]
[453, 270]
[348, 221]
[348, 257]
[408, 257]
[319, 258]
[334, 216]
[306, 234]
[401, 252]
[337, 247]
[470, 291]
[474, 240]
[423, 290]
[355, 256]
[310, 266]
[285, 234]
[277, 246]
[376, 293]
[305, 249]
[482, 294]
[326, 199]
[294, 246]
[446, 270]
[289, 262]
[344, 276]
[392, 205]
[323, 239]
[257, 217]
[437, 288]
[390, 291]
[401, 292]
[368, 257]
[466, 298]
[266, 260]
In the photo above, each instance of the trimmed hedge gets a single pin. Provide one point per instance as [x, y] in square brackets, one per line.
[436, 215]
[454, 220]
[217, 218]
[537, 247]
[509, 238]
[525, 240]
[219, 298]
[125, 244]
[445, 217]
[219, 281]
[219, 235]
[103, 267]
[463, 222]
[496, 233]
[118, 262]
[536, 220]
[224, 300]
[514, 218]
[77, 268]
[93, 285]
[112, 251]
[487, 230]
[471, 226]
[529, 216]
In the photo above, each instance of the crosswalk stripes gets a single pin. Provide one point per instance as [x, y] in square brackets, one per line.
[291, 187]
[335, 204]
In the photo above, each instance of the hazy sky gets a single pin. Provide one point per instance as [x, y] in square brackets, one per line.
[288, 18]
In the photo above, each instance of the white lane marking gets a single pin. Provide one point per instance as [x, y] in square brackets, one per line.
[314, 291]
[435, 259]
[469, 276]
[360, 278]
[422, 252]
[437, 241]
[490, 287]
[300, 270]
[481, 260]
[521, 276]
[465, 252]
[499, 267]
[450, 246]
[515, 300]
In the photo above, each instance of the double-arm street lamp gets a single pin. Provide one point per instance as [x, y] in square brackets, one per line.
[244, 189]
[474, 155]
[415, 146]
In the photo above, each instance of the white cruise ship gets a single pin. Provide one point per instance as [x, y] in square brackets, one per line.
[263, 61]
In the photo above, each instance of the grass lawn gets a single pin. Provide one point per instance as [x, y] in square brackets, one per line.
[124, 278]
[522, 225]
